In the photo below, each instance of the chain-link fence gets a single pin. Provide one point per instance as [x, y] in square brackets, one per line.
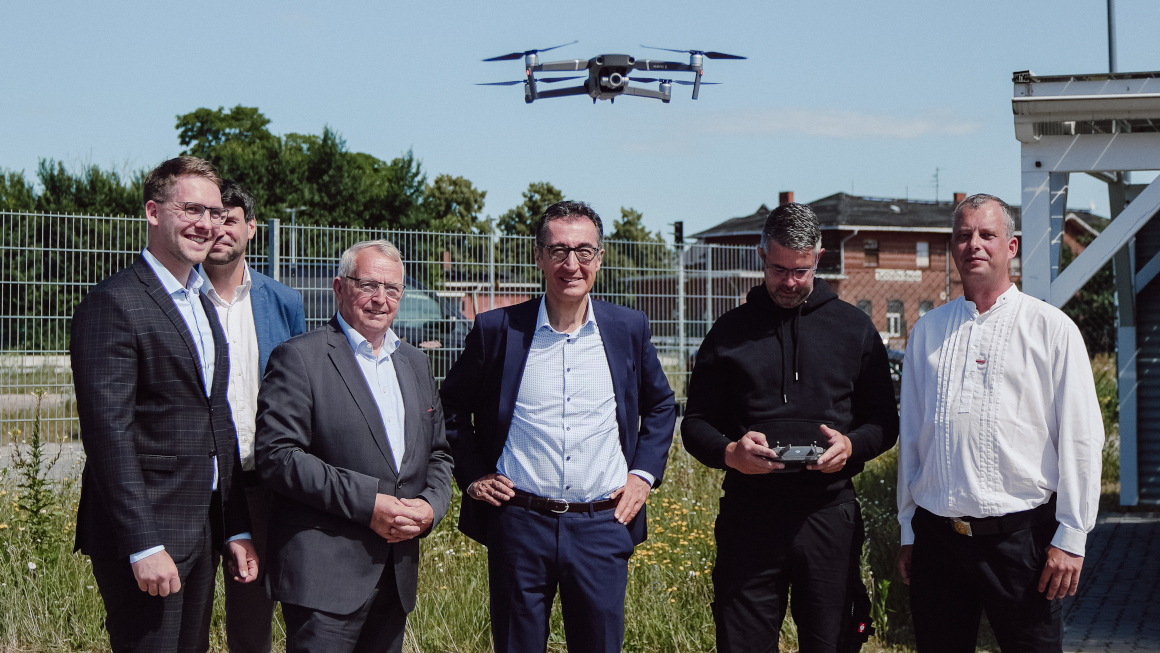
[48, 262]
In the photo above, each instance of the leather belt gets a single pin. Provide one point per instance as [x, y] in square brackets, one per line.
[1010, 523]
[557, 506]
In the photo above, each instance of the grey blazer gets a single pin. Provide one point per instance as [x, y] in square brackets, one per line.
[321, 446]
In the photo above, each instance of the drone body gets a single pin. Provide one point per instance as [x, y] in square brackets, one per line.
[608, 75]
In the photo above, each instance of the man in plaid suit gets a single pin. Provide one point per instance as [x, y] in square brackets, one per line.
[162, 491]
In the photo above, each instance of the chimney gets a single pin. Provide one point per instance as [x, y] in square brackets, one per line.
[959, 197]
[785, 197]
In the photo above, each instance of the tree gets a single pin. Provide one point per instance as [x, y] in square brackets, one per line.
[1093, 308]
[630, 226]
[453, 205]
[521, 220]
[16, 194]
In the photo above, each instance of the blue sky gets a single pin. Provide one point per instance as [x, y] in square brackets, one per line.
[868, 97]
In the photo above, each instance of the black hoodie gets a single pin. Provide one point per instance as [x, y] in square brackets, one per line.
[784, 372]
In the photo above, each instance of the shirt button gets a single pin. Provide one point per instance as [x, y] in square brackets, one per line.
[569, 399]
[568, 370]
[568, 458]
[567, 487]
[569, 428]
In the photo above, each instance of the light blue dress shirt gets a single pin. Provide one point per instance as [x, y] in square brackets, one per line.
[379, 372]
[186, 297]
[564, 442]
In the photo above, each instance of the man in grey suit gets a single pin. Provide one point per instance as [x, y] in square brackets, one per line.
[257, 314]
[351, 440]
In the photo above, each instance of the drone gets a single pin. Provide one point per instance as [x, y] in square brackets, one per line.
[608, 74]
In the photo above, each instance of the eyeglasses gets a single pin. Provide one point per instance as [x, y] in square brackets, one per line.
[371, 287]
[559, 253]
[797, 274]
[192, 212]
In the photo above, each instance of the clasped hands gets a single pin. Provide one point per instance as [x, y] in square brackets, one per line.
[497, 488]
[752, 455]
[397, 520]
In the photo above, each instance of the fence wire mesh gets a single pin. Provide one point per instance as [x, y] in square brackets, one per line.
[49, 261]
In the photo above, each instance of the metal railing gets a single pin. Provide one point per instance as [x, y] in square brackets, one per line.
[49, 261]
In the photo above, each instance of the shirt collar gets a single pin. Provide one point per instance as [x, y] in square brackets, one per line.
[240, 293]
[542, 317]
[1007, 297]
[362, 346]
[168, 281]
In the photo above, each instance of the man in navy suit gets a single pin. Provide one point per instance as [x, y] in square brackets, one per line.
[256, 314]
[560, 419]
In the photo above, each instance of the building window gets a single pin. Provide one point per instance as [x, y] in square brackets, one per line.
[870, 251]
[922, 254]
[1016, 267]
[924, 307]
[895, 322]
[867, 307]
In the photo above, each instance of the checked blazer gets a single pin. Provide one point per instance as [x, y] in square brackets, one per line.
[148, 429]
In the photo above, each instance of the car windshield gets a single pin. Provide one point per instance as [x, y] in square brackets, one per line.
[418, 308]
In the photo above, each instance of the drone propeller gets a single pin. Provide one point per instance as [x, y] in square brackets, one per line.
[649, 80]
[711, 55]
[545, 80]
[517, 55]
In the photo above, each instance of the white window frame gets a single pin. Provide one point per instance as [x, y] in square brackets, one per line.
[922, 254]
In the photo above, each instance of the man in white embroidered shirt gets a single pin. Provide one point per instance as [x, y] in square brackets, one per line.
[560, 419]
[999, 453]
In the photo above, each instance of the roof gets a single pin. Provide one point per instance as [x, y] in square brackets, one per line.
[844, 211]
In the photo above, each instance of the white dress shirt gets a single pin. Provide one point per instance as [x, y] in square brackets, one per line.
[379, 372]
[237, 321]
[999, 410]
[564, 441]
[185, 296]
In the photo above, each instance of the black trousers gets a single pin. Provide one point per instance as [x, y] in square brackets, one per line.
[376, 627]
[139, 622]
[762, 559]
[249, 609]
[953, 578]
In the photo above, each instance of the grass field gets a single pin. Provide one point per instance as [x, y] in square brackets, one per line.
[49, 602]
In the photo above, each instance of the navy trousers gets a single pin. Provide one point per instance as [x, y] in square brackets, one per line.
[530, 554]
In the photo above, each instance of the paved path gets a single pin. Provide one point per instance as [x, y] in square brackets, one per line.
[1117, 607]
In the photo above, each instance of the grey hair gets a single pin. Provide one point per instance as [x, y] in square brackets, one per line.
[793, 226]
[346, 263]
[979, 199]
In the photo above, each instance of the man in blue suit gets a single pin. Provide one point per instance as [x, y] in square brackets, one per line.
[560, 420]
[256, 314]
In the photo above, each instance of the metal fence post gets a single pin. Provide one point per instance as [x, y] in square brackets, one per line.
[681, 305]
[709, 286]
[492, 240]
[273, 258]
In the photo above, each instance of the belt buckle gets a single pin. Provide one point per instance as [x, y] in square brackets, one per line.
[552, 503]
[962, 527]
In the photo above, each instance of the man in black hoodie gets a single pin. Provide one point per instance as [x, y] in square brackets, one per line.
[794, 365]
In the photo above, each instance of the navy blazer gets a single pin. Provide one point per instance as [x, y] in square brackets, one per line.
[278, 314]
[479, 398]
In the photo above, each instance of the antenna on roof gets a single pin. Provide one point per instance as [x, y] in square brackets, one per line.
[936, 185]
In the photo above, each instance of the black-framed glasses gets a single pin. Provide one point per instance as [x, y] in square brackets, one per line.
[371, 287]
[797, 274]
[559, 253]
[192, 212]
